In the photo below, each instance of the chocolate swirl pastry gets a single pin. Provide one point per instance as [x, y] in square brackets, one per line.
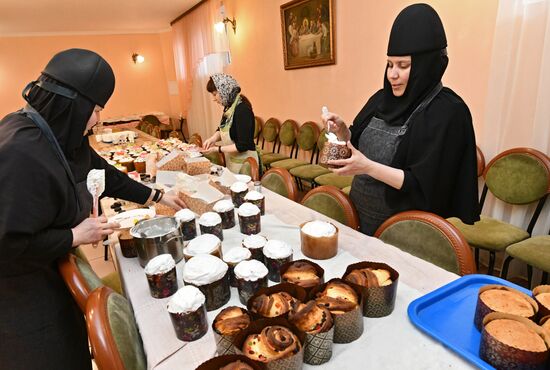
[231, 320]
[369, 277]
[273, 343]
[338, 298]
[237, 365]
[273, 305]
[302, 274]
[311, 317]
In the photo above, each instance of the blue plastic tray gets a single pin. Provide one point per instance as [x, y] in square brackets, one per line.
[447, 314]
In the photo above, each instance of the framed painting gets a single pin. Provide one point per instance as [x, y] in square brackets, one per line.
[308, 33]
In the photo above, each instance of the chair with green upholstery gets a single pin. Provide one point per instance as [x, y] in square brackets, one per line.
[287, 137]
[196, 139]
[114, 336]
[309, 172]
[281, 182]
[429, 237]
[333, 179]
[519, 176]
[270, 134]
[258, 124]
[307, 142]
[480, 161]
[215, 158]
[152, 119]
[250, 167]
[330, 201]
[346, 190]
[81, 279]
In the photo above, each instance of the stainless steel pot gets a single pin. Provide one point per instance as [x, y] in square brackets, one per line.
[157, 236]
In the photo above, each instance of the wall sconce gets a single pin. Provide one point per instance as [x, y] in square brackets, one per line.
[220, 26]
[138, 58]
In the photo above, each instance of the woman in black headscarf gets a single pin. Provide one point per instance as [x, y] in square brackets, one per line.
[45, 209]
[414, 138]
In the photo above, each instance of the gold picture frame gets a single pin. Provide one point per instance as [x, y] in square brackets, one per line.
[308, 33]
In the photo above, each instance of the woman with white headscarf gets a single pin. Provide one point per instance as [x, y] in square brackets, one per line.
[236, 131]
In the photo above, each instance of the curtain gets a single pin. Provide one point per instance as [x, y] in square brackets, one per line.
[518, 109]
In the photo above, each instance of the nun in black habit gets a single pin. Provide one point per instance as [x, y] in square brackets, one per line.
[415, 140]
[45, 210]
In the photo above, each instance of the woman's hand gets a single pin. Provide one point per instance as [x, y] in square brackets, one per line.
[92, 230]
[209, 143]
[173, 201]
[357, 164]
[335, 124]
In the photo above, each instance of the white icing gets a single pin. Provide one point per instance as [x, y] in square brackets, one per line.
[248, 209]
[319, 229]
[223, 205]
[160, 264]
[202, 244]
[239, 187]
[210, 219]
[96, 182]
[253, 195]
[277, 249]
[324, 111]
[187, 299]
[254, 241]
[204, 269]
[250, 270]
[184, 215]
[333, 139]
[237, 254]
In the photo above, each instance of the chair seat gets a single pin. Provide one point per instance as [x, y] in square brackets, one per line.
[335, 180]
[534, 251]
[490, 234]
[309, 172]
[289, 164]
[112, 280]
[273, 157]
[347, 189]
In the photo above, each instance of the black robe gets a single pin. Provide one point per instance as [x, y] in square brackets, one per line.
[437, 155]
[41, 326]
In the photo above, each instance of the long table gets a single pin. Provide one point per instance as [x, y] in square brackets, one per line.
[141, 138]
[391, 342]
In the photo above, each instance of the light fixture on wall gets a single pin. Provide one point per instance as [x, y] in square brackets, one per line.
[220, 26]
[138, 58]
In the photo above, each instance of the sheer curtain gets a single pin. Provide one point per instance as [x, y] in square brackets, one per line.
[518, 101]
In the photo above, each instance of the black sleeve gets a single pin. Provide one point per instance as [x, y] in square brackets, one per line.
[242, 129]
[118, 184]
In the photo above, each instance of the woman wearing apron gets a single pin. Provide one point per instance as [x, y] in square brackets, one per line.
[414, 138]
[236, 131]
[45, 210]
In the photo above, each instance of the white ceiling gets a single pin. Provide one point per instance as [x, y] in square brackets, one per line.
[21, 17]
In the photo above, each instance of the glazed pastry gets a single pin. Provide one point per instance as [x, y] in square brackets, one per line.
[507, 301]
[231, 320]
[516, 334]
[302, 274]
[273, 305]
[544, 299]
[338, 298]
[273, 343]
[369, 277]
[311, 317]
[237, 365]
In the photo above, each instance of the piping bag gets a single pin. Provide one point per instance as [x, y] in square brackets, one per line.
[96, 186]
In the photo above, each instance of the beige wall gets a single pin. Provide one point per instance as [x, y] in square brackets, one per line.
[139, 88]
[362, 29]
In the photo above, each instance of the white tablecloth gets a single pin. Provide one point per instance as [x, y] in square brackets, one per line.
[387, 343]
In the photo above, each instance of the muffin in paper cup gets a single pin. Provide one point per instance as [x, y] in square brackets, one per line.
[227, 324]
[275, 301]
[251, 276]
[256, 198]
[249, 219]
[203, 244]
[319, 239]
[226, 210]
[316, 322]
[500, 298]
[274, 342]
[231, 362]
[187, 222]
[238, 192]
[211, 223]
[161, 276]
[210, 274]
[344, 303]
[513, 342]
[276, 254]
[304, 273]
[233, 257]
[377, 283]
[255, 243]
[127, 246]
[188, 314]
[541, 294]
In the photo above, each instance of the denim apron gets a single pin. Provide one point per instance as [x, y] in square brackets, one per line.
[379, 142]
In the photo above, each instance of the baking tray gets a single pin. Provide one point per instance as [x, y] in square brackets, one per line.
[447, 314]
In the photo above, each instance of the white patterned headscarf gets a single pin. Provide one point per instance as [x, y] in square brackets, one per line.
[228, 88]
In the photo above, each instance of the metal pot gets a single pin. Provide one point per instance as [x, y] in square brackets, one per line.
[157, 236]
